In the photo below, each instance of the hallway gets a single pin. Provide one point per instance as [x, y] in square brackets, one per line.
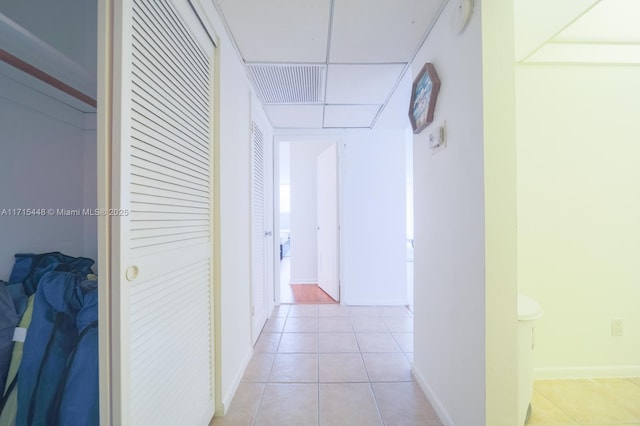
[332, 365]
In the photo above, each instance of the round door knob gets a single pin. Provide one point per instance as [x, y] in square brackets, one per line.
[132, 272]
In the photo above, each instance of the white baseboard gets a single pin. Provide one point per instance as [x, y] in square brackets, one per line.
[304, 281]
[590, 372]
[433, 399]
[231, 392]
[377, 302]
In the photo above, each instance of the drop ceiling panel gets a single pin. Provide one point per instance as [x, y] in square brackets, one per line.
[295, 116]
[361, 84]
[279, 31]
[610, 21]
[379, 31]
[350, 115]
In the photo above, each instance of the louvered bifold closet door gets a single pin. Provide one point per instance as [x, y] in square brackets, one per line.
[164, 178]
[258, 233]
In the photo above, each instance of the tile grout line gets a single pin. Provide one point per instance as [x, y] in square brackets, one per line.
[317, 355]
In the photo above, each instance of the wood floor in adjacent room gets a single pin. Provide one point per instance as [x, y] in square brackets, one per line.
[306, 293]
[299, 293]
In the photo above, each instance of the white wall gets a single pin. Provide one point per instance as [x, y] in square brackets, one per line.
[578, 210]
[42, 166]
[235, 172]
[233, 319]
[373, 205]
[67, 25]
[449, 359]
[283, 178]
[303, 220]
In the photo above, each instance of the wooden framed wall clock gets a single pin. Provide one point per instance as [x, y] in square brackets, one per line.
[424, 94]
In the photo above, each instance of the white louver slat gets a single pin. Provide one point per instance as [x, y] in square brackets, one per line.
[165, 96]
[165, 156]
[288, 84]
[259, 305]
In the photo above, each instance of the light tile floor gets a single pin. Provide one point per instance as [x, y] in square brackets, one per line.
[332, 365]
[588, 402]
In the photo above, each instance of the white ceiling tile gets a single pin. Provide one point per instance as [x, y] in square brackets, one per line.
[379, 30]
[361, 84]
[295, 116]
[350, 115]
[279, 30]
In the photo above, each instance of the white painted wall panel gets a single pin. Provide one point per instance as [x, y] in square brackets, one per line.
[449, 230]
[42, 165]
[374, 232]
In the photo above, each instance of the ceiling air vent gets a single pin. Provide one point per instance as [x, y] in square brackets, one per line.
[288, 84]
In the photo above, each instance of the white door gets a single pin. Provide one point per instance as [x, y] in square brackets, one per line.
[327, 206]
[161, 292]
[261, 233]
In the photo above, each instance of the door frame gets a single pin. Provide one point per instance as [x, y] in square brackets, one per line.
[259, 118]
[294, 135]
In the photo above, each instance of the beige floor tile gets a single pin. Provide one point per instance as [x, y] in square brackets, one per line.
[338, 342]
[348, 404]
[288, 404]
[342, 368]
[404, 404]
[267, 343]
[585, 401]
[303, 311]
[394, 311]
[301, 368]
[244, 406]
[363, 311]
[335, 325]
[368, 324]
[298, 343]
[544, 412]
[387, 367]
[333, 310]
[404, 340]
[399, 325]
[258, 368]
[281, 311]
[377, 342]
[274, 325]
[301, 325]
[635, 380]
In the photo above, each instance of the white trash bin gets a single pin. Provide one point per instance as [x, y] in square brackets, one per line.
[528, 312]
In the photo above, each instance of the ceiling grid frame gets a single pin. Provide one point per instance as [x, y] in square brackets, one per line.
[428, 12]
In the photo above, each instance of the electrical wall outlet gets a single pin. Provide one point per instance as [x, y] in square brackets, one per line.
[616, 327]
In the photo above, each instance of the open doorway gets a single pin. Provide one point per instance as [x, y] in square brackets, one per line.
[299, 212]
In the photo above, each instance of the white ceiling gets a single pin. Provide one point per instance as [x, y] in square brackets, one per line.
[578, 31]
[363, 46]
